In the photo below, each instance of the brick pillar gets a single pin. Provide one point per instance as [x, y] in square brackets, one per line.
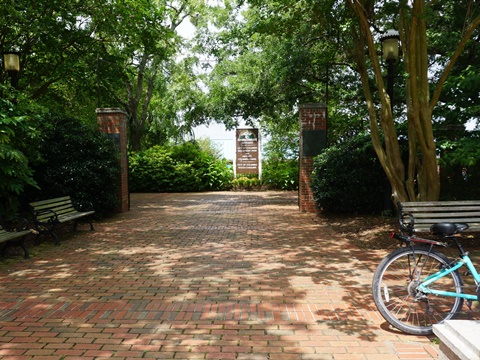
[313, 140]
[113, 123]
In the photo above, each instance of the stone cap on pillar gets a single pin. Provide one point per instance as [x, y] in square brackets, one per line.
[110, 111]
[313, 106]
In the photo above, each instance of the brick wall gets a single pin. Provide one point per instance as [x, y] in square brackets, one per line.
[312, 121]
[113, 123]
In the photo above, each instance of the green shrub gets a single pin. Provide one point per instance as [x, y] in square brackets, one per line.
[280, 162]
[18, 139]
[460, 168]
[246, 182]
[79, 161]
[280, 174]
[348, 178]
[179, 168]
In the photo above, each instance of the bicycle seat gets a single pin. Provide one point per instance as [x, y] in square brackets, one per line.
[447, 229]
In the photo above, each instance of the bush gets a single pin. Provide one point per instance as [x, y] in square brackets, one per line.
[280, 164]
[79, 161]
[18, 139]
[348, 178]
[280, 174]
[245, 182]
[178, 168]
[460, 168]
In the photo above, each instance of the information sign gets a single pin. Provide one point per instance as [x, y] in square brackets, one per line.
[247, 151]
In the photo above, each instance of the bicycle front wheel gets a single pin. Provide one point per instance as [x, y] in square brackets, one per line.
[395, 292]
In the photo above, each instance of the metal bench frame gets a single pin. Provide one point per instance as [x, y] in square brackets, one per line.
[14, 236]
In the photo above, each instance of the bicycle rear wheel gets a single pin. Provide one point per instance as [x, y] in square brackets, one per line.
[395, 295]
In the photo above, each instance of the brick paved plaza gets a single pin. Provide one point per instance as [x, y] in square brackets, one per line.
[230, 275]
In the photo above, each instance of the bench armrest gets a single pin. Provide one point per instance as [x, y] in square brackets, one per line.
[82, 206]
[407, 223]
[49, 217]
[15, 224]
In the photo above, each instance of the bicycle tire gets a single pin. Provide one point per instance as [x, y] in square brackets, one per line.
[394, 291]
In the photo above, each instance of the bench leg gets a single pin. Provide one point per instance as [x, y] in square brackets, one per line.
[55, 237]
[75, 223]
[20, 242]
[24, 247]
[3, 247]
[37, 237]
[52, 235]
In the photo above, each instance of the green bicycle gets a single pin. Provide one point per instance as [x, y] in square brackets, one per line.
[415, 286]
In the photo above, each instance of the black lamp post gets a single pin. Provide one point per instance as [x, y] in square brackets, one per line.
[390, 51]
[11, 62]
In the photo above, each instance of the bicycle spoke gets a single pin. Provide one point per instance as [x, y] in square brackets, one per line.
[396, 295]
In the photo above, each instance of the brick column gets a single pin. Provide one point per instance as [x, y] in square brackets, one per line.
[113, 123]
[313, 139]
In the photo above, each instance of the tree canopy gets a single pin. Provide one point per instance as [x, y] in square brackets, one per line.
[258, 61]
[281, 54]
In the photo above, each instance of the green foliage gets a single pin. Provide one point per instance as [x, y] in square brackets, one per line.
[125, 49]
[79, 161]
[348, 178]
[280, 160]
[179, 168]
[280, 174]
[17, 137]
[282, 54]
[460, 168]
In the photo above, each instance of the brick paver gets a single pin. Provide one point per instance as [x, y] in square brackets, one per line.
[231, 275]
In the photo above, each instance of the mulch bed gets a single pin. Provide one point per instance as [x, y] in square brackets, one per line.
[373, 232]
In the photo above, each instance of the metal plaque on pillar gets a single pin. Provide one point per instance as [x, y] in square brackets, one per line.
[314, 142]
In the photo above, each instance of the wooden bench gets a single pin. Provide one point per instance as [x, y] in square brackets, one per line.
[419, 216]
[14, 236]
[47, 214]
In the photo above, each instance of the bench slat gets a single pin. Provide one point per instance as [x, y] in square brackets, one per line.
[10, 235]
[473, 215]
[442, 209]
[61, 209]
[39, 204]
[427, 213]
[59, 205]
[440, 203]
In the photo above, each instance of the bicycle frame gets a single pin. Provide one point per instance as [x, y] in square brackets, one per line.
[423, 287]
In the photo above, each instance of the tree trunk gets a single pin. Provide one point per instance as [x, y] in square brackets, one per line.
[422, 182]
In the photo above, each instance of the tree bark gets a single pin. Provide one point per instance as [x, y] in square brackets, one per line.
[422, 182]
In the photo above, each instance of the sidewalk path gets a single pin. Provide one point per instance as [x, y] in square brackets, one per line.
[230, 275]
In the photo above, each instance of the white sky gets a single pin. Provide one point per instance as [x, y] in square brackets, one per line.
[224, 140]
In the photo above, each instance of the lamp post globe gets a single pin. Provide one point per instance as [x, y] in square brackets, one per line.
[11, 63]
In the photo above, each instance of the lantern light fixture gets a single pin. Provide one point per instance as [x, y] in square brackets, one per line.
[390, 45]
[11, 61]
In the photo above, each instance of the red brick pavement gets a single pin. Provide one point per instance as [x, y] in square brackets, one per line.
[199, 276]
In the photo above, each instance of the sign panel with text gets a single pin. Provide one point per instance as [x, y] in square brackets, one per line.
[247, 151]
